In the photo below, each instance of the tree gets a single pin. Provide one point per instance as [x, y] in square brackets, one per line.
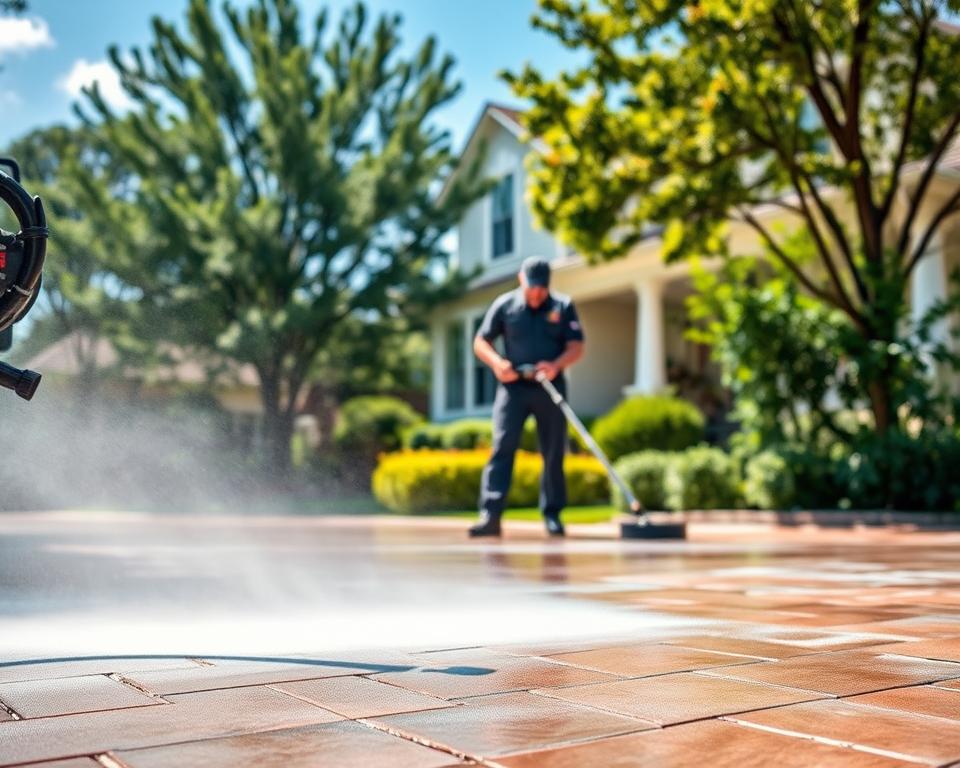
[698, 115]
[290, 181]
[90, 279]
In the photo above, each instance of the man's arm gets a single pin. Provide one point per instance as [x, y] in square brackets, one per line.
[572, 353]
[501, 367]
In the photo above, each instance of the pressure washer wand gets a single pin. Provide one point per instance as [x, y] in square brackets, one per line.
[632, 501]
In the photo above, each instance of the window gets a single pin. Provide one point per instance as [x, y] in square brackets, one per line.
[456, 372]
[484, 382]
[502, 196]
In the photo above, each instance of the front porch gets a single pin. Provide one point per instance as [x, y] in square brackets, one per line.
[636, 344]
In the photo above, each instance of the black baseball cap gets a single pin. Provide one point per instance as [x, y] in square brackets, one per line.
[536, 270]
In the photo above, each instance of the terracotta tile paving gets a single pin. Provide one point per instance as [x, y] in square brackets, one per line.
[357, 697]
[713, 743]
[189, 716]
[513, 722]
[681, 697]
[944, 649]
[338, 745]
[490, 673]
[844, 673]
[906, 735]
[645, 660]
[743, 637]
[921, 699]
[42, 698]
[237, 674]
[16, 671]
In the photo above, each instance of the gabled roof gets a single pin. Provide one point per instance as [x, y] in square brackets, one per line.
[507, 117]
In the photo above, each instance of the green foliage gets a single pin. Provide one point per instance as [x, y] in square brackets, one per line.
[426, 481]
[373, 424]
[769, 482]
[648, 422]
[902, 471]
[287, 172]
[696, 116]
[464, 434]
[703, 478]
[645, 473]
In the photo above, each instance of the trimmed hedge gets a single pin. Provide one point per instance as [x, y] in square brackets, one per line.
[703, 478]
[769, 482]
[646, 474]
[431, 481]
[373, 423]
[649, 423]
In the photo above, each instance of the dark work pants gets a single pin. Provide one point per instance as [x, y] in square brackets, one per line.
[511, 407]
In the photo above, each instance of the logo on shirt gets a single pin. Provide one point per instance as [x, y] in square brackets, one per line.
[554, 316]
[574, 325]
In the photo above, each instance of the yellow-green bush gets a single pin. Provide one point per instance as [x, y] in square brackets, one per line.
[429, 480]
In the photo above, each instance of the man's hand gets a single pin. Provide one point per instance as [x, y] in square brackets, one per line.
[504, 372]
[550, 369]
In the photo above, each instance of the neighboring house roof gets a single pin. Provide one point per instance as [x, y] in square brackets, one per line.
[61, 358]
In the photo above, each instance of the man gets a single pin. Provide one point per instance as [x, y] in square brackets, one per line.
[542, 329]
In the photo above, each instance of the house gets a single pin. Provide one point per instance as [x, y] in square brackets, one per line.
[632, 309]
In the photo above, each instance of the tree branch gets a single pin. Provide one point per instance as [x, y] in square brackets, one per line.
[921, 190]
[950, 207]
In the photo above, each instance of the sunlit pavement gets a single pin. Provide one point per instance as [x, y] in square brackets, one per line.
[131, 640]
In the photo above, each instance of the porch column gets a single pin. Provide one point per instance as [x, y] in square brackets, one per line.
[928, 286]
[650, 371]
[438, 370]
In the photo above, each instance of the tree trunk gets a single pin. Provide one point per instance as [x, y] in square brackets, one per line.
[277, 427]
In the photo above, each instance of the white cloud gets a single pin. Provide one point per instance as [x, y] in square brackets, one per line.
[21, 35]
[84, 73]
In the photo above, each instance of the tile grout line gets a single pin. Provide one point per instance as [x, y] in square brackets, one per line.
[824, 740]
[14, 715]
[117, 677]
[422, 741]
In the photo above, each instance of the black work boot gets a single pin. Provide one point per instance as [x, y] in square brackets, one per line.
[488, 526]
[554, 526]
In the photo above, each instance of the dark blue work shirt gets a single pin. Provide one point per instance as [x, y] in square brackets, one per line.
[531, 335]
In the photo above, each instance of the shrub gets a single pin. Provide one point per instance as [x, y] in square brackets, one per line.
[645, 423]
[913, 472]
[463, 435]
[646, 473]
[428, 481]
[702, 478]
[373, 423]
[769, 482]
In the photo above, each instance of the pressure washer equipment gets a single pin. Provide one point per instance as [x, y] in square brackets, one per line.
[21, 266]
[638, 527]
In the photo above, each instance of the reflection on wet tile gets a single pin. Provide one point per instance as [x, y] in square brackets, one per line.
[490, 673]
[513, 722]
[357, 697]
[946, 649]
[43, 698]
[917, 737]
[745, 646]
[921, 700]
[713, 743]
[191, 716]
[344, 745]
[844, 673]
[644, 660]
[679, 698]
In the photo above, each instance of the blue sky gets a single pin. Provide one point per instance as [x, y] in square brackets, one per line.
[60, 44]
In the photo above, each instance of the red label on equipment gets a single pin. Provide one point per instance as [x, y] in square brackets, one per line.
[3, 259]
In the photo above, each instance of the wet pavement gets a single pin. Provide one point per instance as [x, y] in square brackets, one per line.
[141, 641]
